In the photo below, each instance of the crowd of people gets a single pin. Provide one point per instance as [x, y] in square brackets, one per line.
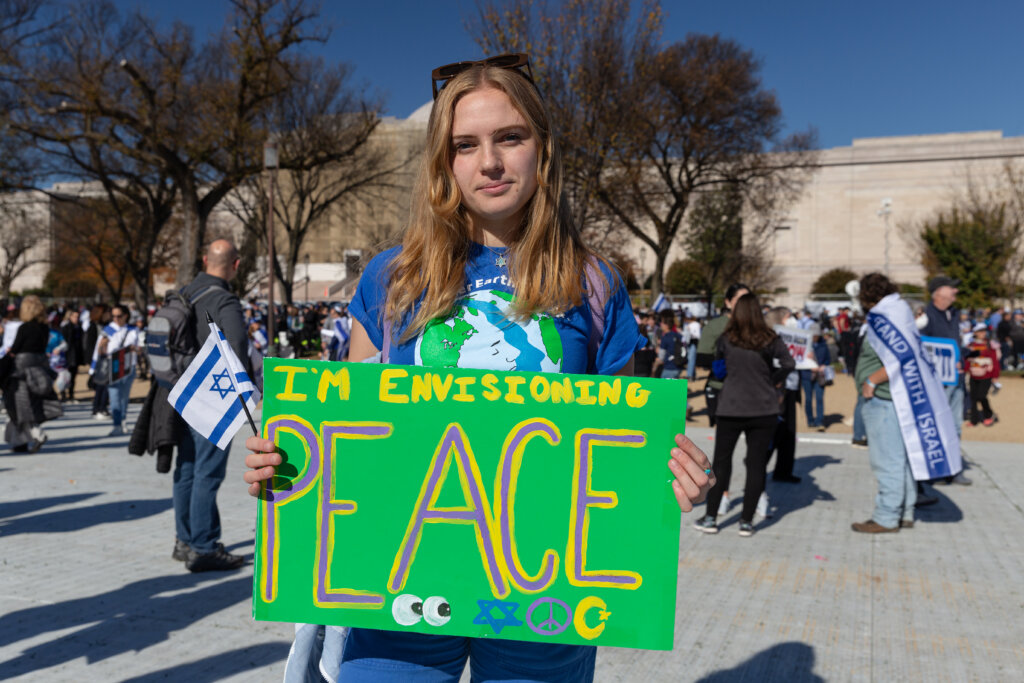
[753, 386]
[490, 225]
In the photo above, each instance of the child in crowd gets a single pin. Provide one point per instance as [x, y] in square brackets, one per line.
[983, 359]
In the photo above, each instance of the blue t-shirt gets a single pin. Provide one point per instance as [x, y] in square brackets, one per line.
[477, 334]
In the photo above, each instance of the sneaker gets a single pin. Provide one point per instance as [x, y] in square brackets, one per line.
[872, 527]
[99, 416]
[859, 443]
[217, 561]
[181, 551]
[821, 428]
[706, 524]
[763, 510]
[723, 507]
[117, 431]
[746, 529]
[37, 444]
[996, 386]
[906, 524]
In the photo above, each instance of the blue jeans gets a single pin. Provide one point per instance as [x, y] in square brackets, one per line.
[197, 476]
[120, 392]
[397, 657]
[691, 362]
[897, 490]
[813, 390]
[859, 432]
[955, 396]
[315, 654]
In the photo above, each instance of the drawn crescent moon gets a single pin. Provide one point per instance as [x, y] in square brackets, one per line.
[579, 619]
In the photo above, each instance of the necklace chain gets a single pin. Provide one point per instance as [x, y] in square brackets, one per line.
[499, 259]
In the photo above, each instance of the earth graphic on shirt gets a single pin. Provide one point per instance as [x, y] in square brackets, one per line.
[480, 335]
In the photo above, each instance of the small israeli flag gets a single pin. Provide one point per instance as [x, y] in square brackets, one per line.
[661, 303]
[342, 336]
[207, 394]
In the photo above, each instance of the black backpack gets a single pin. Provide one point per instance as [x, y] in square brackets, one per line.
[171, 340]
[678, 355]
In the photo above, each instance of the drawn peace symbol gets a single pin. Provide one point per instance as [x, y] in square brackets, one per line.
[548, 623]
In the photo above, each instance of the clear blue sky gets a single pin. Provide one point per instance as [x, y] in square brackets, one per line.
[851, 69]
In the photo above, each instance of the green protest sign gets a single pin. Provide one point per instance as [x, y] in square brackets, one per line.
[519, 505]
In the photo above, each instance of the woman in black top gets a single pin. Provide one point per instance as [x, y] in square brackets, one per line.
[756, 363]
[29, 394]
[72, 332]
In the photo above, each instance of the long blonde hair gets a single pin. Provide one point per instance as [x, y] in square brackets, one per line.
[547, 258]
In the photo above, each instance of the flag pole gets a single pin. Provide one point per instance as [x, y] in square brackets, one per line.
[223, 352]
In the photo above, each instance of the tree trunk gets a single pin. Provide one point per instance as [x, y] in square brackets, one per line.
[658, 276]
[191, 244]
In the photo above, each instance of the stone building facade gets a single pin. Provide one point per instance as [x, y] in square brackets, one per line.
[853, 212]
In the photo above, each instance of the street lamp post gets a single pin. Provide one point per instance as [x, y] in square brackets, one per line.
[643, 257]
[885, 212]
[270, 167]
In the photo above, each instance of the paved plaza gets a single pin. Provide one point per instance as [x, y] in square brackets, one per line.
[89, 591]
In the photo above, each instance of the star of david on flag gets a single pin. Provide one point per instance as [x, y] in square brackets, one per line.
[206, 396]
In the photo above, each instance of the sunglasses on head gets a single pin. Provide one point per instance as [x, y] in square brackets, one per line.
[516, 61]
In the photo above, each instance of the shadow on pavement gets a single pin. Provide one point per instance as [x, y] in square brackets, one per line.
[943, 512]
[785, 498]
[128, 619]
[792, 662]
[23, 507]
[83, 517]
[216, 667]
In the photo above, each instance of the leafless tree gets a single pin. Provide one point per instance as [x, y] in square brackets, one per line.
[334, 161]
[585, 56]
[702, 122]
[24, 227]
[187, 115]
[645, 126]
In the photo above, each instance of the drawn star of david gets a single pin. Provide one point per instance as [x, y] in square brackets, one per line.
[508, 609]
[217, 379]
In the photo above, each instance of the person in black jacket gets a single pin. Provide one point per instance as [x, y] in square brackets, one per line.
[73, 334]
[28, 394]
[756, 363]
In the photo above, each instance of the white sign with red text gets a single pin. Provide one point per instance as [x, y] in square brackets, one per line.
[800, 345]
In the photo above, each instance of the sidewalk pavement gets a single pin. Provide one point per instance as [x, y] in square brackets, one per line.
[90, 592]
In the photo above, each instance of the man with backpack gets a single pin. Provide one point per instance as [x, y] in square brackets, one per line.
[201, 466]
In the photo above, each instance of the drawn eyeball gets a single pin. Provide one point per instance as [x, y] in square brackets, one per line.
[407, 609]
[437, 611]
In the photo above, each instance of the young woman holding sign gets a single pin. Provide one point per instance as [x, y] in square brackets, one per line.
[490, 240]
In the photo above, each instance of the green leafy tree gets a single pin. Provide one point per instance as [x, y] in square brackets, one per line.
[713, 238]
[685, 276]
[970, 244]
[833, 281]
